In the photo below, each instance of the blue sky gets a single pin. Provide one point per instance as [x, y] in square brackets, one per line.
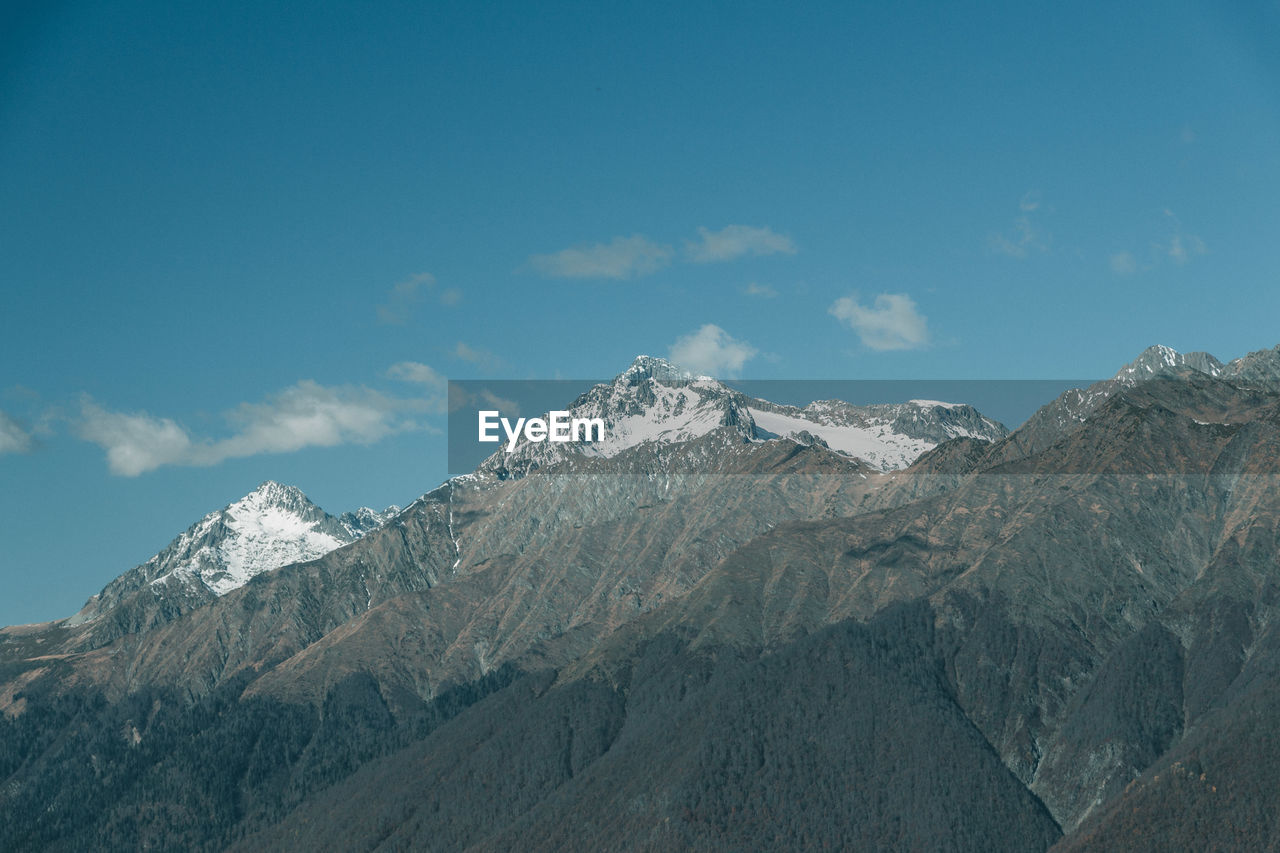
[246, 241]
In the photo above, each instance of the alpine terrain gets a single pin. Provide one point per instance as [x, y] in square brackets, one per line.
[729, 625]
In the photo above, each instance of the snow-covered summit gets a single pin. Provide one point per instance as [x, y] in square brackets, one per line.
[272, 526]
[651, 367]
[655, 401]
[887, 436]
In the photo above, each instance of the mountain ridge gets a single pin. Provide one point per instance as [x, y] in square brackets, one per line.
[684, 643]
[654, 400]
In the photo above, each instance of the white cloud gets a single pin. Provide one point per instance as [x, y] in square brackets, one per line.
[420, 374]
[622, 257]
[764, 291]
[304, 415]
[432, 381]
[13, 438]
[734, 241]
[892, 322]
[312, 415]
[136, 443]
[712, 351]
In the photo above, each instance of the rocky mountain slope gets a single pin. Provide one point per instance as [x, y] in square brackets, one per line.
[1072, 407]
[722, 640]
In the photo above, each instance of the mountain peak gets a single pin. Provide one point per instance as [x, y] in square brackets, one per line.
[272, 526]
[656, 402]
[272, 490]
[1261, 367]
[651, 367]
[271, 495]
[1160, 359]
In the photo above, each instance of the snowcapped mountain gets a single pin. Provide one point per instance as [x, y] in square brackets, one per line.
[886, 436]
[272, 526]
[654, 401]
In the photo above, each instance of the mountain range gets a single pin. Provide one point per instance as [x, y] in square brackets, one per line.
[734, 625]
[653, 401]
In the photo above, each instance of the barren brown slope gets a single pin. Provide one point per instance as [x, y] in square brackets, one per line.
[1043, 572]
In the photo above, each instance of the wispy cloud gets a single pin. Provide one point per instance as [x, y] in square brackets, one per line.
[1123, 263]
[420, 374]
[401, 300]
[1174, 243]
[712, 351]
[1025, 235]
[763, 291]
[304, 415]
[637, 255]
[891, 322]
[1181, 246]
[462, 397]
[478, 356]
[13, 438]
[621, 257]
[433, 383]
[734, 241]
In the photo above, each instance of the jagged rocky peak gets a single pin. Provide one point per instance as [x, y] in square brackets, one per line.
[360, 521]
[1258, 368]
[650, 367]
[1261, 367]
[656, 402]
[272, 526]
[652, 401]
[273, 495]
[1160, 360]
[1071, 408]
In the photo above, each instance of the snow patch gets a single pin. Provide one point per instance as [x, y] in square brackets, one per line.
[876, 444]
